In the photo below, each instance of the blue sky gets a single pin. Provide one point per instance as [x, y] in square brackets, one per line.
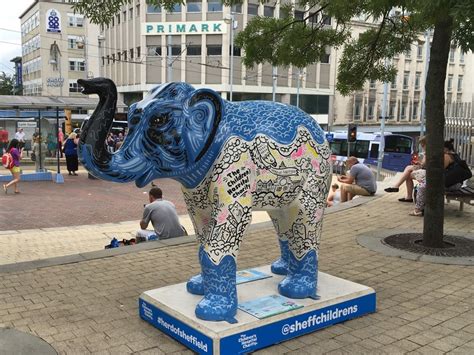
[10, 32]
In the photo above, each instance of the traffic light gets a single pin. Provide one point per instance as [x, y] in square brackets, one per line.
[352, 133]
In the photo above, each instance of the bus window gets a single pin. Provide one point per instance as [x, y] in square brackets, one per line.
[339, 147]
[361, 149]
[374, 151]
[398, 144]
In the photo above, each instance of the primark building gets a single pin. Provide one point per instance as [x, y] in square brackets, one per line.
[146, 45]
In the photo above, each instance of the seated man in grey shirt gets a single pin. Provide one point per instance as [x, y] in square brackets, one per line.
[360, 181]
[163, 217]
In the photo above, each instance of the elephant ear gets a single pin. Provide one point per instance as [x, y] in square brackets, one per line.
[203, 117]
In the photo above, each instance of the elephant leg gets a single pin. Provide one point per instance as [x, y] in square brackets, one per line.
[219, 281]
[195, 284]
[280, 266]
[302, 278]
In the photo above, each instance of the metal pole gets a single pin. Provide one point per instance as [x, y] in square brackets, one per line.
[231, 78]
[170, 60]
[382, 126]
[39, 138]
[58, 154]
[298, 89]
[274, 79]
[423, 97]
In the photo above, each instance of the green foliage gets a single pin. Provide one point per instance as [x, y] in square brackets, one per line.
[7, 83]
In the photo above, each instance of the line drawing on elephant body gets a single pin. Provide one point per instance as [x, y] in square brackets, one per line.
[231, 158]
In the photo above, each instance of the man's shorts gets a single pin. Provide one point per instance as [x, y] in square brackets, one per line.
[354, 189]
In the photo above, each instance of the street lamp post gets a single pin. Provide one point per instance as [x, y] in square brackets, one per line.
[274, 83]
[427, 63]
[230, 19]
[300, 76]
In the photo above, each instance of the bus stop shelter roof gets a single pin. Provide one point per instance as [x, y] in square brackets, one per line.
[50, 102]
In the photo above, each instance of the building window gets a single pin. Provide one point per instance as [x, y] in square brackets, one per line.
[138, 10]
[139, 52]
[403, 111]
[236, 8]
[119, 56]
[113, 58]
[237, 51]
[408, 54]
[193, 50]
[406, 77]
[108, 59]
[103, 60]
[450, 83]
[214, 49]
[327, 20]
[313, 18]
[451, 55]
[459, 83]
[461, 57]
[75, 20]
[153, 50]
[214, 6]
[325, 58]
[176, 8]
[268, 11]
[393, 83]
[419, 51]
[72, 42]
[124, 54]
[118, 19]
[74, 87]
[130, 13]
[414, 114]
[194, 5]
[371, 111]
[357, 107]
[299, 15]
[417, 80]
[153, 9]
[77, 65]
[131, 53]
[252, 9]
[391, 111]
[372, 84]
[124, 16]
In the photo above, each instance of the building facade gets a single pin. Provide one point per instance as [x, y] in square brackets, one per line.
[55, 45]
[405, 91]
[197, 35]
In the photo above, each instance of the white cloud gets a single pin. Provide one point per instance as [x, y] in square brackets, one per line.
[10, 32]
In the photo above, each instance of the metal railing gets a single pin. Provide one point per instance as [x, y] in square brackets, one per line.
[459, 125]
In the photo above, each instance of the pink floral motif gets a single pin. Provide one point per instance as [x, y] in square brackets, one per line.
[222, 217]
[219, 180]
[299, 152]
[315, 164]
[318, 214]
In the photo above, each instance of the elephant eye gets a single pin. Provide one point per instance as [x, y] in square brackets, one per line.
[134, 120]
[158, 121]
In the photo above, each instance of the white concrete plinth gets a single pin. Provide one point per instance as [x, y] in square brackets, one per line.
[171, 310]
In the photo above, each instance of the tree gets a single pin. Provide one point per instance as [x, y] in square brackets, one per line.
[7, 84]
[298, 42]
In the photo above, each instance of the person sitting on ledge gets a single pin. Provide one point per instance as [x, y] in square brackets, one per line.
[360, 181]
[407, 176]
[163, 217]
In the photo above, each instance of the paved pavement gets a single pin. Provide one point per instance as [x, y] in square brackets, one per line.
[91, 306]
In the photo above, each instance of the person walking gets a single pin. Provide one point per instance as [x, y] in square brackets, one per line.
[60, 141]
[70, 151]
[16, 152]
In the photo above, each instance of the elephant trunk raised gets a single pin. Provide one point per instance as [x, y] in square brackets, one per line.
[93, 153]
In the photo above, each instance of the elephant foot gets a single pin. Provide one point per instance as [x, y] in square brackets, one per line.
[217, 308]
[220, 290]
[195, 285]
[279, 267]
[302, 278]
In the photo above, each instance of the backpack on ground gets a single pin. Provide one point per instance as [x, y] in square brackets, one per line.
[7, 160]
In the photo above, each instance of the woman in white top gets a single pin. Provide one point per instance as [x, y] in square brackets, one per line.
[334, 195]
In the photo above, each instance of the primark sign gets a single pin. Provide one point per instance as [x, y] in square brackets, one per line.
[184, 28]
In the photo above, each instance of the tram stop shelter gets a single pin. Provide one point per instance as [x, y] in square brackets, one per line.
[43, 115]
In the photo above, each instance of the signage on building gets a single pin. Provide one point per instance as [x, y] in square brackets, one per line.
[26, 124]
[53, 21]
[192, 27]
[55, 82]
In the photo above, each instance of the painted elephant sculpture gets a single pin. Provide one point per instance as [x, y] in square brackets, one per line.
[231, 158]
